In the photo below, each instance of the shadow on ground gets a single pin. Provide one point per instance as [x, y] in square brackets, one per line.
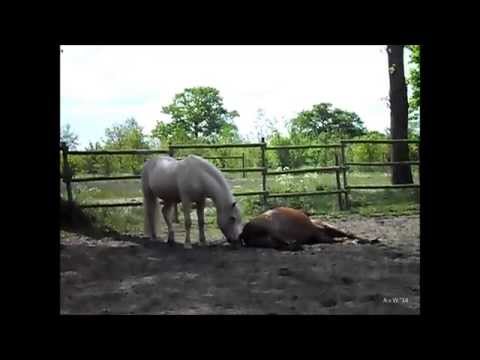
[133, 275]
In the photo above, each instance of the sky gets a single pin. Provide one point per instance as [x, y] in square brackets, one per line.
[104, 85]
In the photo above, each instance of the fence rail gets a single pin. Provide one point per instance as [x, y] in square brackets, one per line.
[140, 203]
[118, 152]
[341, 167]
[385, 141]
[133, 177]
[109, 205]
[313, 146]
[105, 178]
[254, 169]
[306, 170]
[395, 186]
[216, 157]
[214, 146]
[391, 163]
[306, 193]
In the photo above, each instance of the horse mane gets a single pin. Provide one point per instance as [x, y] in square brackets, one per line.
[214, 172]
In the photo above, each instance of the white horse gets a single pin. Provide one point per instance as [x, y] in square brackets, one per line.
[190, 180]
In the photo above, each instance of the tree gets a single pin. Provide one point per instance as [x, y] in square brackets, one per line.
[286, 157]
[283, 156]
[69, 137]
[414, 83]
[128, 135]
[325, 119]
[401, 174]
[228, 134]
[264, 127]
[91, 163]
[200, 113]
[170, 133]
[369, 152]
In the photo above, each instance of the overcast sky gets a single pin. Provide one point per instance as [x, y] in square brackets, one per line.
[104, 85]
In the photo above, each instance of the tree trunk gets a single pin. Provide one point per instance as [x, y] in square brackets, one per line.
[401, 174]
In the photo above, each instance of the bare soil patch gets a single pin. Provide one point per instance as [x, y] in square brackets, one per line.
[132, 275]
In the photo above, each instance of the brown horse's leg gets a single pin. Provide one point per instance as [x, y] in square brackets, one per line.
[322, 236]
[332, 231]
[167, 215]
[260, 241]
[201, 222]
[282, 243]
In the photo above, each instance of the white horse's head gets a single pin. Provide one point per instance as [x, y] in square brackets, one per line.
[230, 222]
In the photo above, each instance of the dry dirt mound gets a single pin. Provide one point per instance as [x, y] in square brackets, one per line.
[132, 275]
[74, 219]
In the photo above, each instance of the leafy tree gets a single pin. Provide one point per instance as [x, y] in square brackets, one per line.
[91, 163]
[170, 133]
[365, 152]
[228, 134]
[69, 137]
[322, 118]
[286, 157]
[76, 164]
[264, 127]
[128, 135]
[322, 156]
[414, 83]
[107, 164]
[283, 157]
[401, 174]
[198, 112]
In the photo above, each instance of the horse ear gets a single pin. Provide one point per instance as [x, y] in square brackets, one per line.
[234, 203]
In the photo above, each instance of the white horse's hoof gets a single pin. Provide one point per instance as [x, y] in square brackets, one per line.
[187, 246]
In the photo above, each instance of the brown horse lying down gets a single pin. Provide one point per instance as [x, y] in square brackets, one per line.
[288, 229]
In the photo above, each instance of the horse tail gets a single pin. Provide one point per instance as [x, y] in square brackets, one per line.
[150, 206]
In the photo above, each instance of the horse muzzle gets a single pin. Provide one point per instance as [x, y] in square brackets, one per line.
[235, 243]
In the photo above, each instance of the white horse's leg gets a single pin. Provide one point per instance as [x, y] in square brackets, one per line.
[167, 215]
[150, 206]
[187, 206]
[201, 222]
[176, 220]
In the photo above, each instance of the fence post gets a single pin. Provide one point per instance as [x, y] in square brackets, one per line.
[344, 160]
[337, 174]
[243, 164]
[264, 173]
[67, 173]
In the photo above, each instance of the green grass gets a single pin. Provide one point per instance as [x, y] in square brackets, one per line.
[363, 202]
[103, 190]
[124, 220]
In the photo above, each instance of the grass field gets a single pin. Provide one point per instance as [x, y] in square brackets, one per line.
[364, 202]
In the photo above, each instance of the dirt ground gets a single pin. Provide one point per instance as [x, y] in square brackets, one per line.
[132, 275]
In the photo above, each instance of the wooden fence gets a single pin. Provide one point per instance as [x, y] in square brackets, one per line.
[340, 169]
[347, 164]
